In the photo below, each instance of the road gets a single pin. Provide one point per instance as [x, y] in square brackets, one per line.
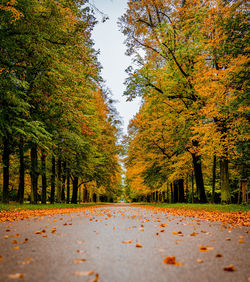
[99, 244]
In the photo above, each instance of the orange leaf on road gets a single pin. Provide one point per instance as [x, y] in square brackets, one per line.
[127, 242]
[171, 260]
[229, 268]
[138, 245]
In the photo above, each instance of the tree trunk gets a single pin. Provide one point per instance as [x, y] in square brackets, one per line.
[44, 178]
[59, 181]
[192, 187]
[187, 189]
[21, 173]
[75, 188]
[53, 180]
[85, 194]
[181, 190]
[63, 181]
[172, 193]
[224, 181]
[34, 173]
[199, 178]
[214, 178]
[6, 170]
[79, 194]
[176, 196]
[68, 187]
[157, 196]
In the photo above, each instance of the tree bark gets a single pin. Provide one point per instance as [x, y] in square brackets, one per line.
[64, 173]
[75, 188]
[44, 178]
[176, 196]
[20, 194]
[157, 196]
[68, 187]
[181, 197]
[85, 194]
[214, 178]
[34, 173]
[6, 170]
[224, 181]
[199, 178]
[59, 181]
[53, 180]
[172, 193]
[192, 187]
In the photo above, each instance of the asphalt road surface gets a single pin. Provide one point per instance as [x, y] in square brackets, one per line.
[99, 244]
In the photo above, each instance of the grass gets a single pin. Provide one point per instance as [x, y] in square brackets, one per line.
[15, 206]
[207, 207]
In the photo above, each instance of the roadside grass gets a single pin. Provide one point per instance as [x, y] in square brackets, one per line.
[206, 207]
[16, 206]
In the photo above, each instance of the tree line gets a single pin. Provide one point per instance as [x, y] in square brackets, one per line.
[189, 140]
[58, 125]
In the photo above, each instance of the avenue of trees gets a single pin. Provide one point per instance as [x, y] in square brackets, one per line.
[58, 127]
[189, 141]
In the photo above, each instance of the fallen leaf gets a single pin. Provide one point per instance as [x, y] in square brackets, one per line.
[127, 242]
[162, 230]
[84, 273]
[16, 248]
[26, 240]
[241, 241]
[1, 258]
[96, 278]
[26, 261]
[229, 268]
[38, 232]
[138, 245]
[194, 234]
[80, 251]
[79, 260]
[199, 260]
[45, 235]
[203, 249]
[171, 260]
[14, 242]
[16, 276]
[218, 256]
[228, 239]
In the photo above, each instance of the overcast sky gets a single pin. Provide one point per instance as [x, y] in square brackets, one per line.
[109, 40]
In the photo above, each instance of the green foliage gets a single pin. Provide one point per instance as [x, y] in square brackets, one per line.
[51, 96]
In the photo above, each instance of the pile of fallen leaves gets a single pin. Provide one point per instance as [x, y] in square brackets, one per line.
[18, 214]
[233, 218]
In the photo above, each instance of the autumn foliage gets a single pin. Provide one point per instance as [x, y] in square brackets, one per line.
[192, 77]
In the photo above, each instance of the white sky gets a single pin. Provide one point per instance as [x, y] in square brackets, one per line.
[109, 40]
